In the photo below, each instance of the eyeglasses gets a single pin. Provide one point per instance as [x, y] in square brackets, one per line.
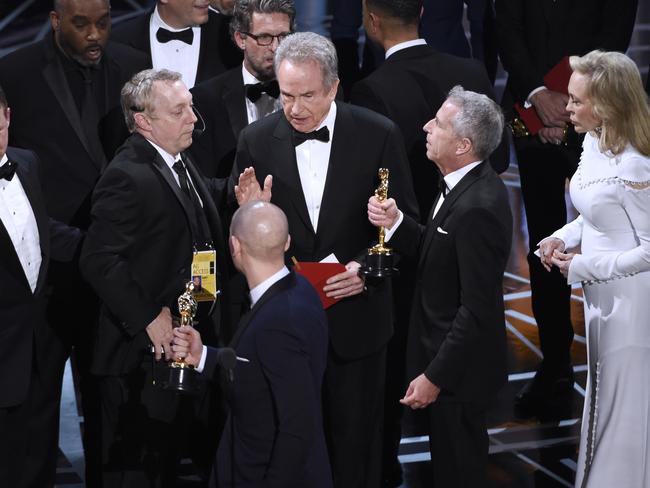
[267, 39]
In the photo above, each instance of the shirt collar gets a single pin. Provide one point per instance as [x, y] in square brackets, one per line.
[329, 120]
[404, 45]
[3, 159]
[157, 22]
[249, 79]
[453, 178]
[168, 158]
[259, 290]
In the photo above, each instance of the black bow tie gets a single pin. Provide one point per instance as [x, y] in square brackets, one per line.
[7, 170]
[164, 35]
[254, 91]
[322, 134]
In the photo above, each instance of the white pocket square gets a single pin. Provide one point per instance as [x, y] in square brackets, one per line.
[442, 231]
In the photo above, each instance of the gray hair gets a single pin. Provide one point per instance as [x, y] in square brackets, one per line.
[304, 47]
[242, 16]
[478, 119]
[136, 93]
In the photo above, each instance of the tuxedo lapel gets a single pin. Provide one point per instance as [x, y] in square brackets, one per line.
[456, 192]
[55, 78]
[10, 257]
[210, 209]
[234, 98]
[42, 220]
[245, 321]
[343, 151]
[161, 167]
[287, 169]
[209, 43]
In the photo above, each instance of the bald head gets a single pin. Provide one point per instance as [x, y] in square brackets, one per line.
[262, 229]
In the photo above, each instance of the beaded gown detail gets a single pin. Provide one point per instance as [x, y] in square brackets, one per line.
[612, 194]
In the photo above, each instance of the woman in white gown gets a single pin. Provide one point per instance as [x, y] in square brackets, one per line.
[611, 190]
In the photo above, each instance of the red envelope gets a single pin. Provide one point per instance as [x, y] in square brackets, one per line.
[557, 79]
[317, 274]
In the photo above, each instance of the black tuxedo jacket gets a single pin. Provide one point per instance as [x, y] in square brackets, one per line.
[138, 251]
[362, 143]
[457, 335]
[45, 119]
[217, 52]
[409, 88]
[22, 312]
[274, 435]
[534, 35]
[221, 101]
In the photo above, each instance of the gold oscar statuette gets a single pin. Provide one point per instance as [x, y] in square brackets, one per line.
[182, 376]
[379, 260]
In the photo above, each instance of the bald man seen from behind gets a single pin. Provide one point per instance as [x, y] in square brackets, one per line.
[274, 432]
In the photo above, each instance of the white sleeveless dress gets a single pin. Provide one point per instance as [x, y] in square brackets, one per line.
[612, 195]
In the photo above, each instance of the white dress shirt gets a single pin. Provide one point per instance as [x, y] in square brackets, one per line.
[264, 106]
[404, 45]
[451, 180]
[256, 293]
[313, 158]
[175, 55]
[169, 161]
[18, 219]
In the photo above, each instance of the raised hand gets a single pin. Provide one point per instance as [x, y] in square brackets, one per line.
[248, 189]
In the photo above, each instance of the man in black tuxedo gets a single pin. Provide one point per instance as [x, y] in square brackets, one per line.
[274, 434]
[27, 241]
[457, 343]
[322, 159]
[151, 209]
[182, 35]
[64, 92]
[424, 77]
[533, 37]
[244, 94]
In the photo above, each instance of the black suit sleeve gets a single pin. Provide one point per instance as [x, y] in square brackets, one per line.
[285, 364]
[407, 237]
[65, 241]
[481, 250]
[104, 263]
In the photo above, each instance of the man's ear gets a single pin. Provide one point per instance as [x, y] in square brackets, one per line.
[141, 121]
[54, 21]
[235, 246]
[8, 116]
[240, 40]
[288, 243]
[464, 146]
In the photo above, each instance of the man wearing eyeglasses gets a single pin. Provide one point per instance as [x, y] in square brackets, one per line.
[231, 101]
[182, 35]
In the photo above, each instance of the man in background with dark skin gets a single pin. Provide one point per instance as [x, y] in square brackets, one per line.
[64, 92]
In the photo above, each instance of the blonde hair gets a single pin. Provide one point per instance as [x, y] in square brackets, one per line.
[618, 99]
